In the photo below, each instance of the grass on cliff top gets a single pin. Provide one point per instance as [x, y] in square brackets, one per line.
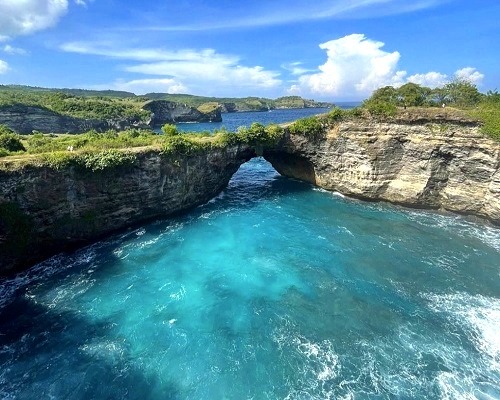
[207, 108]
[98, 151]
[98, 107]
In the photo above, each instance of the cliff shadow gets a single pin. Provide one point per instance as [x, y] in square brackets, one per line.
[57, 352]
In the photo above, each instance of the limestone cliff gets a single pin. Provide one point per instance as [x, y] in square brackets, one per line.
[168, 112]
[438, 163]
[25, 119]
[43, 210]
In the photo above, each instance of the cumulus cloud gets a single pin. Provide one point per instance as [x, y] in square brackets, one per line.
[14, 50]
[28, 16]
[356, 66]
[429, 79]
[205, 71]
[470, 74]
[4, 67]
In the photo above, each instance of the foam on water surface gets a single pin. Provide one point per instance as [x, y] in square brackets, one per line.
[272, 290]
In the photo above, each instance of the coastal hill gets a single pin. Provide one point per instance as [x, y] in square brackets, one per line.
[242, 104]
[26, 109]
[402, 146]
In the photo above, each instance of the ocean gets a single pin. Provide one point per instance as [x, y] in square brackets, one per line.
[274, 289]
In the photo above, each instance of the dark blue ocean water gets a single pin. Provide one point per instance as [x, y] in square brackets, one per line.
[232, 121]
[272, 290]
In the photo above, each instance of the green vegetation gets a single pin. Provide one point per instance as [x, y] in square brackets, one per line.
[310, 126]
[457, 93]
[87, 107]
[488, 111]
[9, 141]
[239, 104]
[459, 96]
[97, 151]
[209, 107]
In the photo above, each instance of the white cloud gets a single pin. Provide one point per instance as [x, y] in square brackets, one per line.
[295, 68]
[470, 74]
[23, 17]
[356, 66]
[14, 50]
[143, 86]
[205, 71]
[4, 67]
[430, 79]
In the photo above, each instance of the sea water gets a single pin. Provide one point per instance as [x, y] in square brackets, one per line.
[272, 290]
[232, 121]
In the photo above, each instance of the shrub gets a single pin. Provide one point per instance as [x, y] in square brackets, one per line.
[310, 126]
[380, 108]
[488, 112]
[105, 159]
[274, 134]
[10, 141]
[169, 130]
[57, 159]
[181, 145]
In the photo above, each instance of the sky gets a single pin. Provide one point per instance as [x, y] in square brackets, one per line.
[334, 50]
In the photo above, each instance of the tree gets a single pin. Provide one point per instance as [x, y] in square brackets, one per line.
[413, 95]
[386, 94]
[462, 93]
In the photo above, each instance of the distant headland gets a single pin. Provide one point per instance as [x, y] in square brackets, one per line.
[25, 109]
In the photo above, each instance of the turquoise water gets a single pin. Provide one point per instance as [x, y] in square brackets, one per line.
[272, 290]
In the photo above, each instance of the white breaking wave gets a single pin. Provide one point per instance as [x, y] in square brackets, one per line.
[479, 315]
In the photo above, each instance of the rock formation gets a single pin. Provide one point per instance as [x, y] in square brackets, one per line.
[435, 163]
[168, 112]
[438, 164]
[26, 119]
[43, 210]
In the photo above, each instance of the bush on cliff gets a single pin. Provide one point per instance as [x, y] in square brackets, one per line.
[488, 111]
[182, 145]
[10, 141]
[169, 130]
[259, 135]
[311, 127]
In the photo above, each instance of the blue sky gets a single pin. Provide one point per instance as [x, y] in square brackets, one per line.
[323, 49]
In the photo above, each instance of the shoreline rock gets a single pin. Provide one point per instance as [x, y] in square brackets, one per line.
[442, 165]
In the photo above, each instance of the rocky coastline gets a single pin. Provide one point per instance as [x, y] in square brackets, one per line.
[441, 163]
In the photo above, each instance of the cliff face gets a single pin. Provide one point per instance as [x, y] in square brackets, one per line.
[43, 211]
[435, 164]
[25, 119]
[439, 164]
[167, 112]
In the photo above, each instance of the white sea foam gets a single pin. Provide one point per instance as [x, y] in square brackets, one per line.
[178, 295]
[479, 315]
[43, 270]
[455, 223]
[318, 363]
